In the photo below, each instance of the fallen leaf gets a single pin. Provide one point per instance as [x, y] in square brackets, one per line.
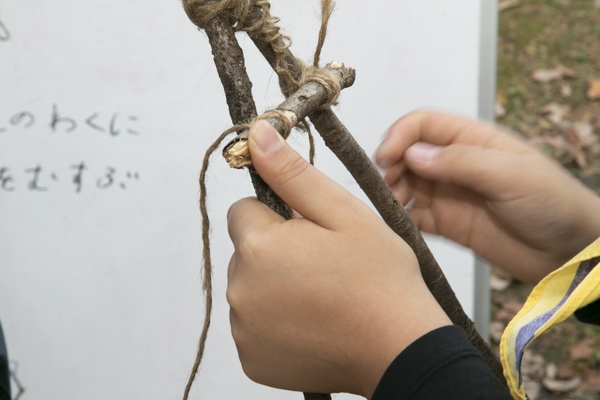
[551, 371]
[532, 365]
[564, 371]
[592, 172]
[558, 145]
[582, 350]
[593, 92]
[498, 284]
[549, 75]
[508, 4]
[566, 90]
[555, 112]
[500, 111]
[532, 388]
[554, 385]
[584, 133]
[572, 137]
[496, 330]
[566, 72]
[546, 75]
[509, 309]
[591, 382]
[580, 159]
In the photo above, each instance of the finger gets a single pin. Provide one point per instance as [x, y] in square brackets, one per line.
[392, 174]
[248, 218]
[491, 173]
[421, 190]
[442, 129]
[231, 268]
[402, 191]
[299, 184]
[423, 219]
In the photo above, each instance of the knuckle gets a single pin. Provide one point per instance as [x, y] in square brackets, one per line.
[234, 296]
[291, 166]
[250, 246]
[250, 369]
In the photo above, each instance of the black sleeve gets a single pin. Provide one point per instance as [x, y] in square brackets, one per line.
[589, 314]
[443, 364]
[4, 374]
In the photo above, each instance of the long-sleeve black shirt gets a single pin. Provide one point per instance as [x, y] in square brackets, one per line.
[443, 364]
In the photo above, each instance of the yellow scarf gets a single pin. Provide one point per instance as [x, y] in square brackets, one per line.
[569, 288]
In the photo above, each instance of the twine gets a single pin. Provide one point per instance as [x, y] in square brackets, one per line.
[254, 17]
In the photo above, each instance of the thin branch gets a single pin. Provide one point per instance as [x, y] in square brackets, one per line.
[230, 63]
[294, 109]
[344, 146]
[229, 60]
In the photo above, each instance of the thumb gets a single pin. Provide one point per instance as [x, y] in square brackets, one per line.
[299, 184]
[491, 173]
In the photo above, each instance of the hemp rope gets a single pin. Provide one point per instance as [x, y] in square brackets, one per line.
[253, 17]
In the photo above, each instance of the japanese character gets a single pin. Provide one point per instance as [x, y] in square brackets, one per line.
[90, 123]
[78, 177]
[57, 119]
[4, 32]
[19, 117]
[107, 180]
[134, 119]
[6, 179]
[34, 182]
[113, 122]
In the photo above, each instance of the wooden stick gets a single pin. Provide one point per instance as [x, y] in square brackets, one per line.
[306, 100]
[344, 146]
[229, 60]
[230, 63]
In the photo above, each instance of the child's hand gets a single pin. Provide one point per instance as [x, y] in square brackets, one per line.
[323, 303]
[483, 188]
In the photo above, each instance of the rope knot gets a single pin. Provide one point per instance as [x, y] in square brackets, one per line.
[202, 11]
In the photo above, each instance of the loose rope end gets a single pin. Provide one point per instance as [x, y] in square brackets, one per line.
[237, 154]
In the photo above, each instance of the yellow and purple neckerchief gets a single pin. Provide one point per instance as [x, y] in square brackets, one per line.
[569, 288]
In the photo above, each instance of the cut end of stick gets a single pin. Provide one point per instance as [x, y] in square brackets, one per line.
[237, 154]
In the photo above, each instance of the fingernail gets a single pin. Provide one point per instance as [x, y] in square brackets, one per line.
[265, 136]
[423, 153]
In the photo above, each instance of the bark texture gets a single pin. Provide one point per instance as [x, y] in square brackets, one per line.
[231, 67]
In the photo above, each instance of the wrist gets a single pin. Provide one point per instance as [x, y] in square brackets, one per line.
[405, 330]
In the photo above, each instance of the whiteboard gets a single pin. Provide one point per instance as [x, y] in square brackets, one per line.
[106, 108]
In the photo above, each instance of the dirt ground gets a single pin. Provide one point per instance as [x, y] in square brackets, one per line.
[549, 92]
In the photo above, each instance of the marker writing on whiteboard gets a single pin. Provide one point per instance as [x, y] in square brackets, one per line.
[4, 32]
[78, 176]
[113, 124]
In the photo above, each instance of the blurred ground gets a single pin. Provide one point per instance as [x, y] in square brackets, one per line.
[549, 92]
